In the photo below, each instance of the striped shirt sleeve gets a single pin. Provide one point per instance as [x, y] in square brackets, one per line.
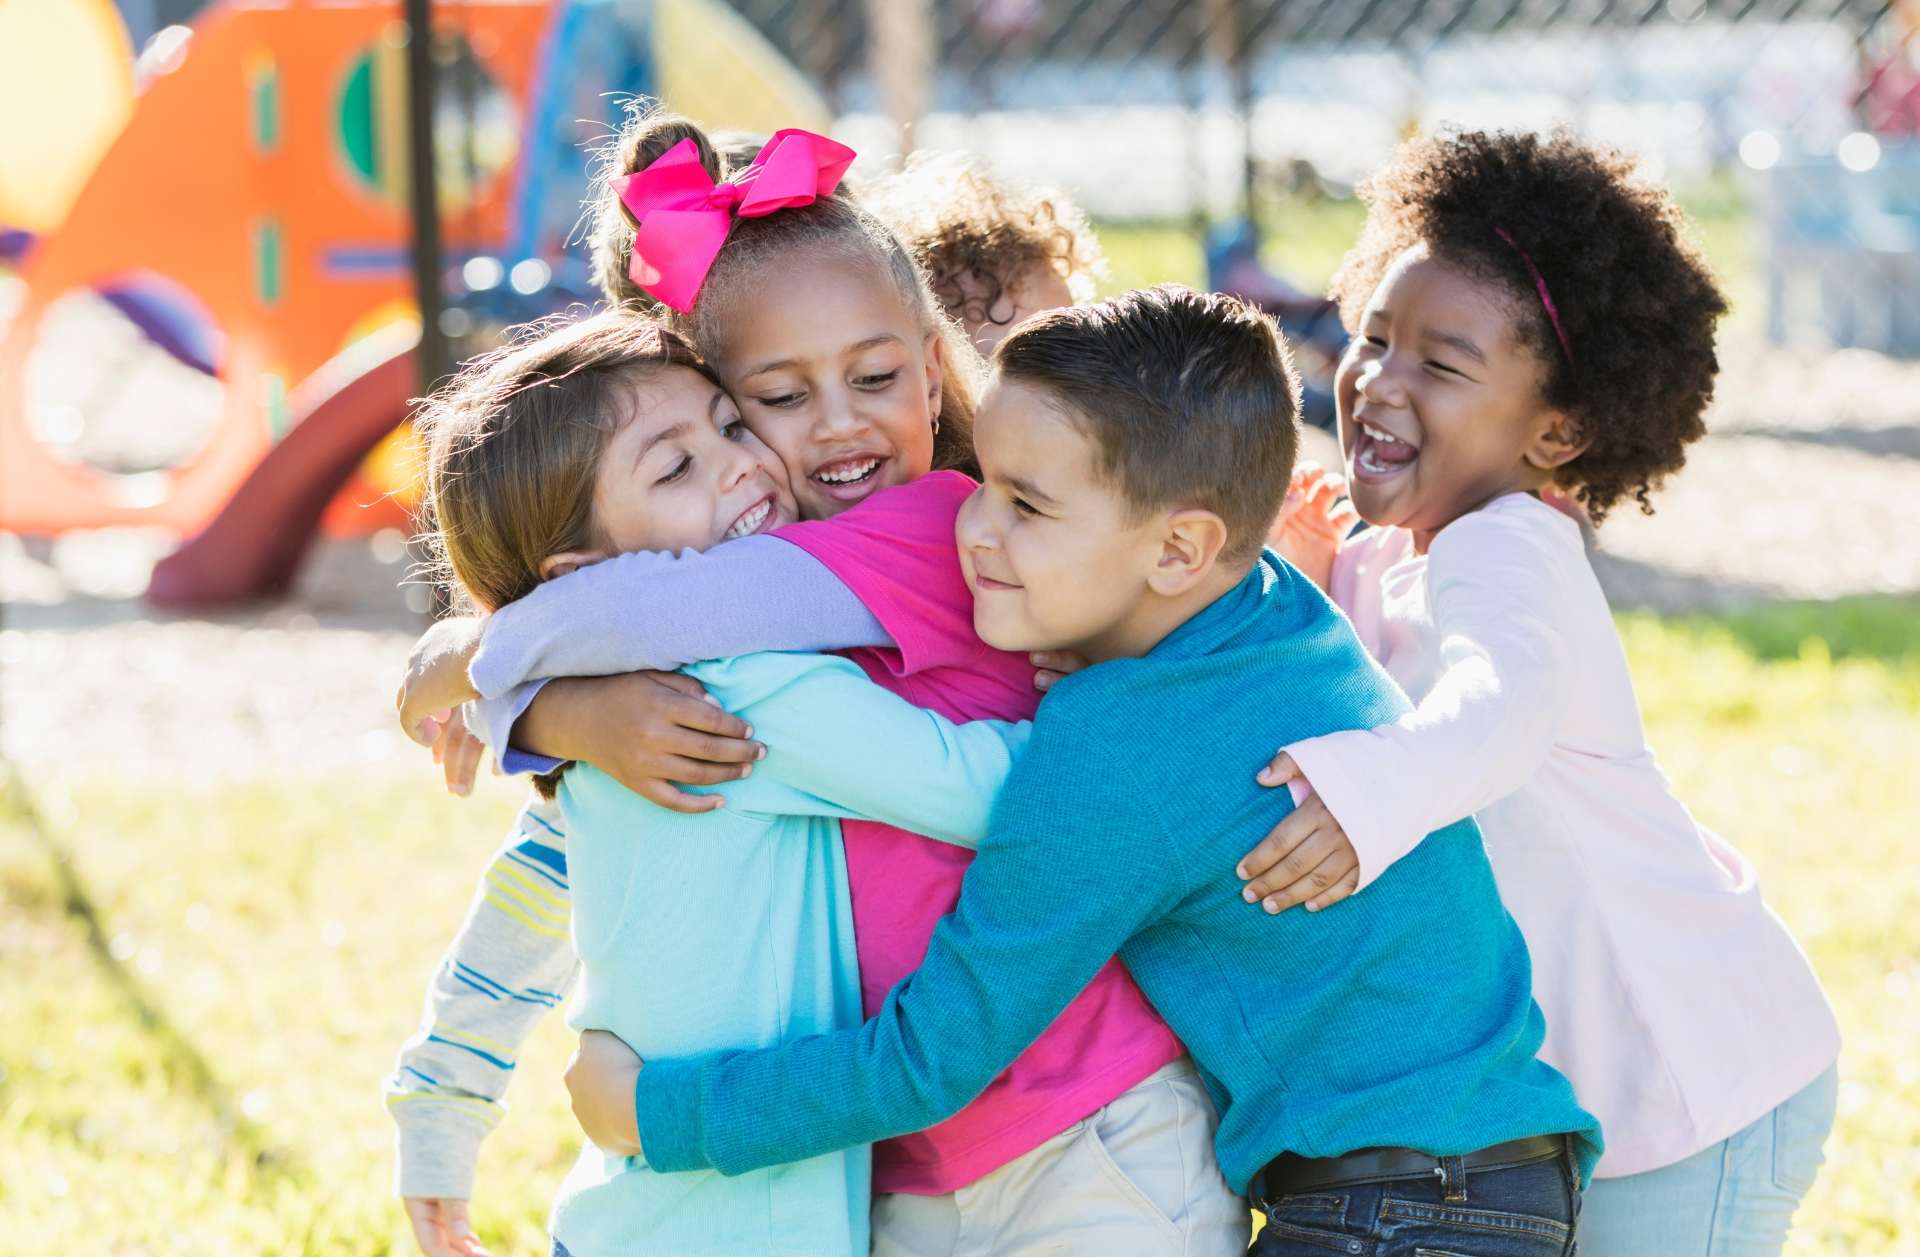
[512, 960]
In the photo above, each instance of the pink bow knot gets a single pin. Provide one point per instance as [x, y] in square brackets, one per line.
[685, 216]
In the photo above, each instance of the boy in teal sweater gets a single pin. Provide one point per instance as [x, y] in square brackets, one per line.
[1373, 1063]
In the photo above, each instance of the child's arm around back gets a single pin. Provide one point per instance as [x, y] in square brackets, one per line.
[841, 746]
[512, 960]
[1503, 597]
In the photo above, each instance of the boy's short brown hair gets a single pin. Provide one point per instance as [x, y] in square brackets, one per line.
[960, 222]
[1190, 399]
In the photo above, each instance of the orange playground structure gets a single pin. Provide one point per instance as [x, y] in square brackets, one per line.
[216, 335]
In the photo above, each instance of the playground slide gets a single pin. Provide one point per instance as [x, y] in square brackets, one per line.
[221, 360]
[254, 545]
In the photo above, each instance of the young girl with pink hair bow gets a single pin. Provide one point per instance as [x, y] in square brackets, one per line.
[819, 324]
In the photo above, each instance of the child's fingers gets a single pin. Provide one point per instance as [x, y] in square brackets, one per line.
[465, 1242]
[1274, 850]
[461, 762]
[1064, 662]
[1300, 876]
[426, 1216]
[427, 732]
[1313, 886]
[670, 796]
[702, 714]
[1044, 679]
[1348, 883]
[1279, 771]
[682, 682]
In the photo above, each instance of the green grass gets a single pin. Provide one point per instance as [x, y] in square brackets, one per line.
[1802, 755]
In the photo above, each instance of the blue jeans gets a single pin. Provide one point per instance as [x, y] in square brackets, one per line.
[1526, 1211]
[1733, 1199]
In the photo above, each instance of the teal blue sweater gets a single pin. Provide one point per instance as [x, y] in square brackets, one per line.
[1401, 1017]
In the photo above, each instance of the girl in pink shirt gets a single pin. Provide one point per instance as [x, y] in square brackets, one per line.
[1099, 1137]
[1530, 328]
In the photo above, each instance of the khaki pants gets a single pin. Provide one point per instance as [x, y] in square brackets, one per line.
[1136, 1178]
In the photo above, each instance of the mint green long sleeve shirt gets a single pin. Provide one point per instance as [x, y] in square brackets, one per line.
[734, 930]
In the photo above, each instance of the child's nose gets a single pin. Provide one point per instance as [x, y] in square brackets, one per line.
[1378, 386]
[973, 530]
[739, 466]
[838, 416]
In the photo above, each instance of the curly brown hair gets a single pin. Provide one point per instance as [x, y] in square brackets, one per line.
[960, 221]
[1637, 301]
[835, 224]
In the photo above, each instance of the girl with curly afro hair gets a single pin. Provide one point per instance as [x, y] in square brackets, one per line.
[1531, 323]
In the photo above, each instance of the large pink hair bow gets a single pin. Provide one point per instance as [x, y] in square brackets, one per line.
[684, 216]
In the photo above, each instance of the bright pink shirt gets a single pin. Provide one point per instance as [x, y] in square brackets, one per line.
[896, 552]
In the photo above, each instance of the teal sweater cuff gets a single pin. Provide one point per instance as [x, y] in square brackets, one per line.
[666, 1107]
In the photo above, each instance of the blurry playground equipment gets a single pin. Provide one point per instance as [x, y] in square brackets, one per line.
[212, 329]
[1311, 322]
[1843, 247]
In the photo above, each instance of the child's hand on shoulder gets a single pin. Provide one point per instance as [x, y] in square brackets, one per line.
[1312, 522]
[1306, 859]
[600, 1078]
[440, 1227]
[436, 681]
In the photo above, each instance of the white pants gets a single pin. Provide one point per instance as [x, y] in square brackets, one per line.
[1136, 1178]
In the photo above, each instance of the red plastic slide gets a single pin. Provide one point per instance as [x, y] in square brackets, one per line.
[254, 545]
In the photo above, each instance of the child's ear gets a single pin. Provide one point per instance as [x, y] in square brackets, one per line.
[1190, 544]
[936, 375]
[1557, 443]
[571, 561]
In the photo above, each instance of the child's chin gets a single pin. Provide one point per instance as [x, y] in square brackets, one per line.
[1003, 632]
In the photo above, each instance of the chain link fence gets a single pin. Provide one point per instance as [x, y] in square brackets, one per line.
[1788, 125]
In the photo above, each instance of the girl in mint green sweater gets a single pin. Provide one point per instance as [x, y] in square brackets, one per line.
[729, 930]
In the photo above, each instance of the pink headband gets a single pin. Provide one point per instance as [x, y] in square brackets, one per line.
[1546, 298]
[684, 216]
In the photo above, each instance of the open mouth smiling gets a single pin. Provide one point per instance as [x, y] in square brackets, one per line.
[851, 477]
[751, 521]
[1378, 455]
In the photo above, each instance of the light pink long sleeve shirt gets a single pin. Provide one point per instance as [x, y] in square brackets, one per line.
[1676, 1001]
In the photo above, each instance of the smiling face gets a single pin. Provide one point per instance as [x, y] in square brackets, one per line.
[834, 373]
[1440, 403]
[683, 472]
[1055, 557]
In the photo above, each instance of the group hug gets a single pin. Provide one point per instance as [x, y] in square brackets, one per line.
[990, 798]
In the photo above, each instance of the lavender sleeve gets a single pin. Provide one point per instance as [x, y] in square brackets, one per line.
[659, 611]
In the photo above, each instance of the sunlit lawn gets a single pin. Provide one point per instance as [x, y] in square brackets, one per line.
[247, 1119]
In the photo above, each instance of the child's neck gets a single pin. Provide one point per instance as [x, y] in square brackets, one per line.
[1156, 616]
[1524, 483]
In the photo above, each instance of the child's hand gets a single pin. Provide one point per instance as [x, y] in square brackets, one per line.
[1051, 665]
[601, 1078]
[1312, 522]
[1306, 859]
[436, 680]
[440, 1227]
[458, 753]
[646, 730]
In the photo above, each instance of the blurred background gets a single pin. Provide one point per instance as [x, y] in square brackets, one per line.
[236, 238]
